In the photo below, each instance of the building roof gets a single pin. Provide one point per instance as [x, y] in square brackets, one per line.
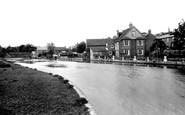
[42, 48]
[164, 36]
[124, 32]
[98, 49]
[98, 42]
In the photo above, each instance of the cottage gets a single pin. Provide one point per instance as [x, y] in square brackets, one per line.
[166, 37]
[100, 48]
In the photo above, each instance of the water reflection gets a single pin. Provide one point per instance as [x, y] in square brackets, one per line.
[54, 65]
[125, 89]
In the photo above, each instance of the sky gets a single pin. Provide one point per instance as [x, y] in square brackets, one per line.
[67, 22]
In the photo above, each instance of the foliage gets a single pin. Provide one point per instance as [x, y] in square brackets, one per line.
[3, 52]
[158, 48]
[22, 48]
[27, 48]
[81, 47]
[12, 49]
[51, 49]
[179, 37]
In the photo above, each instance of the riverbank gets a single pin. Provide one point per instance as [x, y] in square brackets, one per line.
[174, 63]
[28, 91]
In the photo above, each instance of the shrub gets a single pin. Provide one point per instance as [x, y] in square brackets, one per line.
[71, 86]
[66, 81]
[4, 65]
[81, 101]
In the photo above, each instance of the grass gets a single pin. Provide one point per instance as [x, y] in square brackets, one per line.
[26, 91]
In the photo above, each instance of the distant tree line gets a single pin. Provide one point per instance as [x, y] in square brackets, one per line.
[22, 48]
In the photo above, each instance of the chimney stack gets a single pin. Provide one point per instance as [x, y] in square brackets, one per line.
[149, 31]
[130, 25]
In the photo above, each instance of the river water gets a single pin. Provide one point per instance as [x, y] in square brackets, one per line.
[114, 89]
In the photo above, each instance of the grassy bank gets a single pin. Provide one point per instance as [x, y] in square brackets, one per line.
[27, 91]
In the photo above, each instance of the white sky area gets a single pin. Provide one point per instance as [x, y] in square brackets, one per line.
[66, 22]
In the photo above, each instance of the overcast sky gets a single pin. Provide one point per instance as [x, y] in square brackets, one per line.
[66, 22]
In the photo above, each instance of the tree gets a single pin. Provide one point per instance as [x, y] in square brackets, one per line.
[179, 37]
[27, 48]
[158, 48]
[21, 48]
[81, 47]
[51, 49]
[2, 52]
[12, 49]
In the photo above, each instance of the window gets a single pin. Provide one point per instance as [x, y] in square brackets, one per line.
[140, 52]
[126, 52]
[126, 42]
[133, 33]
[110, 52]
[140, 42]
[106, 44]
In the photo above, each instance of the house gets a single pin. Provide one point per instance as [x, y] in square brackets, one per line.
[41, 50]
[100, 48]
[60, 51]
[129, 43]
[166, 37]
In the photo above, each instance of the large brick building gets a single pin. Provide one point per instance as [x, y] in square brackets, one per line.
[129, 43]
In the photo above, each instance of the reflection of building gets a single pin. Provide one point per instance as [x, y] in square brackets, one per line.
[100, 48]
[129, 43]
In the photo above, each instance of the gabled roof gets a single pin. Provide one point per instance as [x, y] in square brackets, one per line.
[98, 42]
[124, 33]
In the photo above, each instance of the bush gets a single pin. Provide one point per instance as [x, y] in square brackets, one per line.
[66, 81]
[81, 101]
[4, 65]
[71, 86]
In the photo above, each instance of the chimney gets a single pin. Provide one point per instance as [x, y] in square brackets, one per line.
[169, 30]
[130, 25]
[149, 31]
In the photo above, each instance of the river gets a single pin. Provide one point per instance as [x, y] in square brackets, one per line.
[114, 89]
